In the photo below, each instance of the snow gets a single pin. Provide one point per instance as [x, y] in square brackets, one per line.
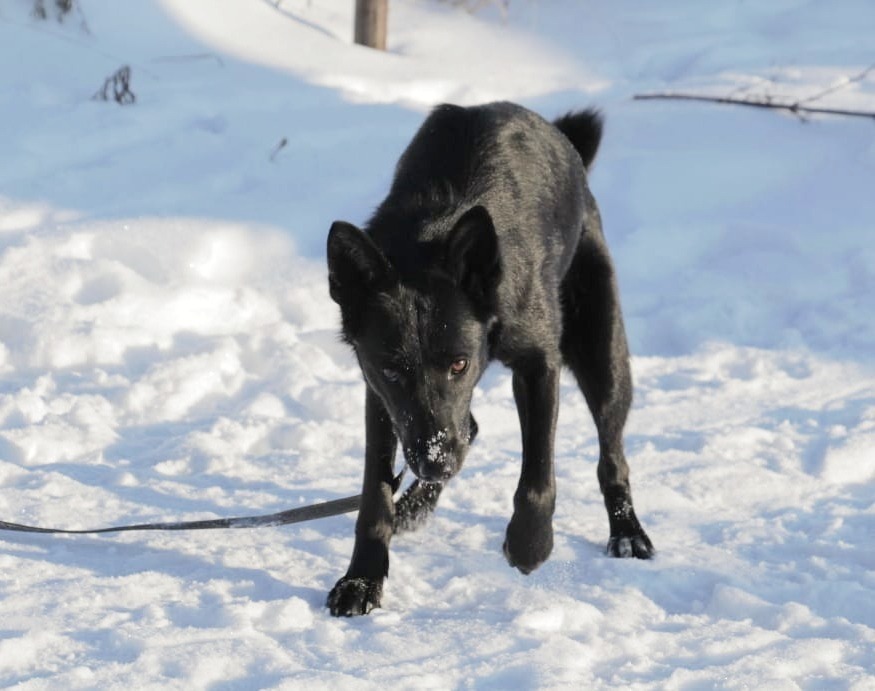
[168, 350]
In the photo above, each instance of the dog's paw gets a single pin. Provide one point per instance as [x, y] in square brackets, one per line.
[354, 596]
[628, 538]
[636, 545]
[527, 543]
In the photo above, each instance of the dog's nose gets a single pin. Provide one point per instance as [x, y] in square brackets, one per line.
[433, 459]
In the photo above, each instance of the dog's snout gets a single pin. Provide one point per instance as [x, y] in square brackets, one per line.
[435, 458]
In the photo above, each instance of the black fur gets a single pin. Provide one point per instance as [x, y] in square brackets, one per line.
[488, 246]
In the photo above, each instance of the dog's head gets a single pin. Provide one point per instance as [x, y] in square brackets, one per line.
[421, 340]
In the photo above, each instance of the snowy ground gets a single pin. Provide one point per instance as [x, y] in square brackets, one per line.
[168, 350]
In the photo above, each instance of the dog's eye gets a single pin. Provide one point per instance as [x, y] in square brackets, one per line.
[391, 374]
[458, 367]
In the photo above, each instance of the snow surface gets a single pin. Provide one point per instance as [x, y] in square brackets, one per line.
[168, 350]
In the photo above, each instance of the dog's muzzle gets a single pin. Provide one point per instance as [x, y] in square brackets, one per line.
[436, 458]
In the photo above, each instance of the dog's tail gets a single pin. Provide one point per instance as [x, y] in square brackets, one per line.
[583, 129]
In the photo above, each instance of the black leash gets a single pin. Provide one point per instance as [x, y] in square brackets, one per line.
[334, 507]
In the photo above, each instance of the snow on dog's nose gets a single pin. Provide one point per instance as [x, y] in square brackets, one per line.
[435, 458]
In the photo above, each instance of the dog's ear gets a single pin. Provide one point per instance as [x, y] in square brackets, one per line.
[473, 259]
[356, 266]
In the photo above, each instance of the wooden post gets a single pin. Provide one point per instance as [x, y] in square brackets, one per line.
[370, 23]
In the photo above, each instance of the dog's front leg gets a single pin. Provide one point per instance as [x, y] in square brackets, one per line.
[359, 591]
[529, 539]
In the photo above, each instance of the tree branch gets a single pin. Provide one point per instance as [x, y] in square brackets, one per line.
[840, 85]
[796, 108]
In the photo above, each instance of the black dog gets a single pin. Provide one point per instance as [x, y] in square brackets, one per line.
[488, 246]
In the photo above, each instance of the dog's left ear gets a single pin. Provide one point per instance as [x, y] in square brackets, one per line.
[473, 259]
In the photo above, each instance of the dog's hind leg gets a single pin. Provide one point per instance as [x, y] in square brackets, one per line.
[594, 347]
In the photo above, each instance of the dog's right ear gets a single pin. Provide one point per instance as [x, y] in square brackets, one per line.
[473, 258]
[356, 266]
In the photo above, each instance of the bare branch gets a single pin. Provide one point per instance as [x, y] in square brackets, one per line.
[795, 108]
[279, 147]
[118, 85]
[840, 85]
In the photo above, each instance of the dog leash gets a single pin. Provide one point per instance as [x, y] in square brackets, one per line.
[334, 507]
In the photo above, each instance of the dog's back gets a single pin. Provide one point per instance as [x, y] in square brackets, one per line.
[499, 155]
[528, 173]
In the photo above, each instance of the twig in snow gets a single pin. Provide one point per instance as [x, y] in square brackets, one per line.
[795, 108]
[190, 58]
[279, 147]
[120, 83]
[840, 85]
[63, 7]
